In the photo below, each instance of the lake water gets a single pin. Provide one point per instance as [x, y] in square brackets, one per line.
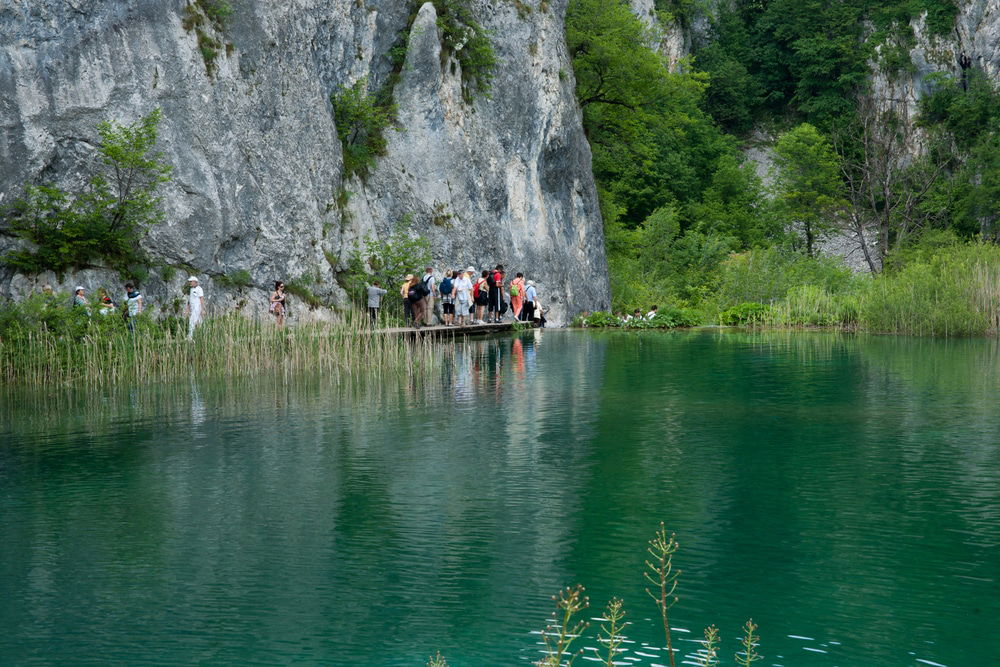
[843, 491]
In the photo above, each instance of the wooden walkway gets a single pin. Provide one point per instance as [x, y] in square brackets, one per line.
[451, 332]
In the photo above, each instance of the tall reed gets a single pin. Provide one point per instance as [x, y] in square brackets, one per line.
[106, 353]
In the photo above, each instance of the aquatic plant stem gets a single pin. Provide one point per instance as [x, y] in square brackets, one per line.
[662, 575]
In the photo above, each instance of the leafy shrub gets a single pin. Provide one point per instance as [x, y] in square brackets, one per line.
[217, 10]
[106, 221]
[387, 259]
[600, 319]
[748, 313]
[361, 120]
[469, 42]
[240, 278]
[667, 317]
[300, 287]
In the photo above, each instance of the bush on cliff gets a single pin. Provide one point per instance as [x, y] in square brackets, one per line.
[105, 221]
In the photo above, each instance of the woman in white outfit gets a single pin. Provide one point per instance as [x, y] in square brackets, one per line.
[463, 295]
[195, 305]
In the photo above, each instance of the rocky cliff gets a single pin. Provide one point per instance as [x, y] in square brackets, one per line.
[259, 181]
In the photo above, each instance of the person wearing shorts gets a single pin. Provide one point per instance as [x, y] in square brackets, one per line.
[447, 292]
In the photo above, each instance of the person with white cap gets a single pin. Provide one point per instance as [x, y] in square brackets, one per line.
[463, 295]
[79, 300]
[195, 305]
[530, 297]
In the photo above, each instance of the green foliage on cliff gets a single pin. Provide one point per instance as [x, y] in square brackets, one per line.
[362, 119]
[465, 38]
[105, 221]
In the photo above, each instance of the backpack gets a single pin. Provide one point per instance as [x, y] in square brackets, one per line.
[415, 293]
[490, 281]
[515, 290]
[446, 287]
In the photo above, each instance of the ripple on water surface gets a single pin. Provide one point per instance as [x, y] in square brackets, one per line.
[842, 491]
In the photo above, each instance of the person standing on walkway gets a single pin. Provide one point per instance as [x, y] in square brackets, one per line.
[276, 305]
[375, 294]
[463, 296]
[195, 305]
[407, 306]
[430, 282]
[494, 282]
[133, 305]
[530, 295]
[447, 292]
[480, 292]
[517, 295]
[417, 295]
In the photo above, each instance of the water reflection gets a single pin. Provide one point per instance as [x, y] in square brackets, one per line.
[841, 490]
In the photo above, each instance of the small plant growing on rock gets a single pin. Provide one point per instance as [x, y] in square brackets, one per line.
[240, 278]
[207, 18]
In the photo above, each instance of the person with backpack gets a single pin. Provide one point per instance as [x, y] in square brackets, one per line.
[517, 295]
[495, 283]
[447, 292]
[430, 284]
[407, 306]
[416, 294]
[480, 292]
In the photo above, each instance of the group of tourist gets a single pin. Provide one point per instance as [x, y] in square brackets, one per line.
[637, 315]
[462, 295]
[194, 308]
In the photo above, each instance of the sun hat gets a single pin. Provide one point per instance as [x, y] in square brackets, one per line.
[190, 278]
[471, 269]
[531, 283]
[78, 288]
[409, 276]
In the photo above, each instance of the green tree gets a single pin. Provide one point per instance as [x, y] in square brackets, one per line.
[386, 259]
[108, 219]
[652, 144]
[734, 205]
[807, 182]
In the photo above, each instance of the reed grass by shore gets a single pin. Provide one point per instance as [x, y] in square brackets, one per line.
[59, 348]
[953, 292]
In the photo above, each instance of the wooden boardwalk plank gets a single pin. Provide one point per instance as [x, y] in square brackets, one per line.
[441, 331]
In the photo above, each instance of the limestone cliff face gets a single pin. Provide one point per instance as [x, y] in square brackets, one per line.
[976, 34]
[258, 165]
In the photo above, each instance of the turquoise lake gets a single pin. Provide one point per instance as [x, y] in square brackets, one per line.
[843, 491]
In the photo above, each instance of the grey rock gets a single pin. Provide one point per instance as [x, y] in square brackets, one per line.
[258, 164]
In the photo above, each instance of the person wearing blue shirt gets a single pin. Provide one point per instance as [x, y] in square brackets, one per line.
[530, 297]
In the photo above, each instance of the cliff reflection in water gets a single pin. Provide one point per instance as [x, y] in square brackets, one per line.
[842, 490]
